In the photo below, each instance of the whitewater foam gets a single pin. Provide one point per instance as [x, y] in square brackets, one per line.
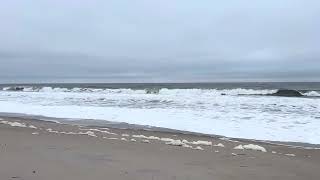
[197, 110]
[163, 91]
[312, 93]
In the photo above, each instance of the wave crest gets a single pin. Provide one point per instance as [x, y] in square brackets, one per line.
[164, 91]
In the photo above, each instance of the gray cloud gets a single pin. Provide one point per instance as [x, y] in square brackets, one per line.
[159, 40]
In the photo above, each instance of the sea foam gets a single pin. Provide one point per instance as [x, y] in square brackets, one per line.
[240, 113]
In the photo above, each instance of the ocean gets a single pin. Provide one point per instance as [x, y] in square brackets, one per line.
[238, 110]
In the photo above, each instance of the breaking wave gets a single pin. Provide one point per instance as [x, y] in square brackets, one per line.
[236, 91]
[238, 112]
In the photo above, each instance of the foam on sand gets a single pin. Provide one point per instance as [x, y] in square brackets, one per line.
[153, 138]
[32, 126]
[98, 130]
[219, 145]
[186, 141]
[254, 147]
[145, 141]
[175, 143]
[250, 147]
[14, 124]
[18, 124]
[52, 131]
[146, 137]
[69, 133]
[139, 136]
[89, 133]
[199, 148]
[166, 139]
[187, 146]
[291, 155]
[239, 147]
[205, 143]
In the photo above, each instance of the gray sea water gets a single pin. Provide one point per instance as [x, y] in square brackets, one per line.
[303, 86]
[237, 110]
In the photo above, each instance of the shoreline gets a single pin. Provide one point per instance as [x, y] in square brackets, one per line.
[33, 149]
[123, 125]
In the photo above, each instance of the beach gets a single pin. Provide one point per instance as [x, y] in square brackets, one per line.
[37, 150]
[160, 90]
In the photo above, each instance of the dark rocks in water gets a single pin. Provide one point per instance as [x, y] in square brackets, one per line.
[287, 93]
[19, 88]
[152, 91]
[223, 94]
[16, 89]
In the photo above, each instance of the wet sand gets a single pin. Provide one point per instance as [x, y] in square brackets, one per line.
[38, 150]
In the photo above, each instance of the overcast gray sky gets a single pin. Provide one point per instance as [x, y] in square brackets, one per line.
[159, 40]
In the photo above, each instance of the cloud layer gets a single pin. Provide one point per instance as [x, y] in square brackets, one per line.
[162, 40]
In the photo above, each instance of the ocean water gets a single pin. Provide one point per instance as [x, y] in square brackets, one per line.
[240, 110]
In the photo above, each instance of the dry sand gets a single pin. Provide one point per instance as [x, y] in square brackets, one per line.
[38, 150]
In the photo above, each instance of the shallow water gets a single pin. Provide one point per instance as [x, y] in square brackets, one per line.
[234, 111]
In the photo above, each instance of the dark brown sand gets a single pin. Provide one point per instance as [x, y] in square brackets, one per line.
[55, 156]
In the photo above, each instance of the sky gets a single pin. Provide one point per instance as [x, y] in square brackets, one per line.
[159, 41]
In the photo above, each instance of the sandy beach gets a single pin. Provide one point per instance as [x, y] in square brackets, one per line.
[38, 150]
[160, 90]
